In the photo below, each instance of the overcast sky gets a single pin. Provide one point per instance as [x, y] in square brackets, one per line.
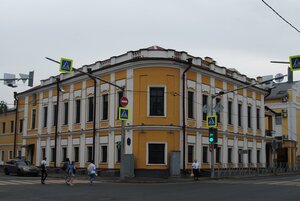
[241, 34]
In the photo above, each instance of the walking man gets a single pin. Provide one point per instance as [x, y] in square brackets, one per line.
[92, 172]
[195, 168]
[44, 173]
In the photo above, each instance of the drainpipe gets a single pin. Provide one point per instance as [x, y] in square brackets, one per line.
[56, 120]
[89, 70]
[16, 125]
[190, 60]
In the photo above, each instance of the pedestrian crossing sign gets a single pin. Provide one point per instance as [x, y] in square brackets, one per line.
[211, 121]
[123, 113]
[66, 65]
[295, 62]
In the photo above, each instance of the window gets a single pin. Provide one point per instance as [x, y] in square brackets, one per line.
[64, 154]
[258, 156]
[91, 109]
[77, 111]
[249, 156]
[118, 148]
[33, 117]
[229, 112]
[11, 126]
[204, 103]
[239, 114]
[190, 153]
[218, 101]
[89, 154]
[249, 116]
[157, 101]
[104, 153]
[54, 115]
[19, 154]
[21, 126]
[10, 154]
[104, 106]
[204, 154]
[3, 127]
[190, 104]
[218, 155]
[45, 116]
[76, 154]
[34, 99]
[257, 118]
[66, 113]
[156, 153]
[52, 154]
[229, 155]
[240, 157]
[2, 155]
[43, 153]
[120, 95]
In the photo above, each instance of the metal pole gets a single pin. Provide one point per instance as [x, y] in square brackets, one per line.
[94, 120]
[212, 158]
[122, 167]
[56, 120]
[16, 125]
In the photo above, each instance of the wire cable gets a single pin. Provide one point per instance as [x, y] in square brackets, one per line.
[280, 16]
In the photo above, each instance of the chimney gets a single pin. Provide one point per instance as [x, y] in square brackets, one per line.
[290, 75]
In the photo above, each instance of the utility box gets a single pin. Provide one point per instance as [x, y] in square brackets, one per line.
[175, 163]
[128, 165]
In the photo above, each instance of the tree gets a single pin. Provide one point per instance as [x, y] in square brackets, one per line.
[3, 107]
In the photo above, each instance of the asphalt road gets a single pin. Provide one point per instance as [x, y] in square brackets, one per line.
[280, 188]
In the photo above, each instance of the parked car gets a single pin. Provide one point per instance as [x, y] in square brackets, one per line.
[20, 167]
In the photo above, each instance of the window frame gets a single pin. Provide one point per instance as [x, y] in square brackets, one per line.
[191, 104]
[101, 153]
[164, 101]
[77, 118]
[45, 116]
[76, 155]
[165, 153]
[191, 157]
[33, 119]
[204, 156]
[66, 113]
[105, 104]
[90, 109]
[89, 155]
[229, 117]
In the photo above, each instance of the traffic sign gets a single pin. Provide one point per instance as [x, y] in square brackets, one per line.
[66, 65]
[211, 121]
[124, 101]
[123, 113]
[295, 62]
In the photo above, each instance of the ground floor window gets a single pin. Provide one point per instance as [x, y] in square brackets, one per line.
[43, 153]
[240, 156]
[89, 153]
[229, 155]
[118, 152]
[190, 153]
[64, 154]
[218, 155]
[10, 154]
[76, 154]
[103, 153]
[52, 154]
[156, 153]
[2, 155]
[258, 156]
[19, 154]
[204, 154]
[249, 156]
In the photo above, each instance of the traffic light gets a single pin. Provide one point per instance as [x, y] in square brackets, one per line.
[213, 135]
[30, 78]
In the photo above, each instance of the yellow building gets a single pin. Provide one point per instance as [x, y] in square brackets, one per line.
[10, 138]
[284, 99]
[157, 127]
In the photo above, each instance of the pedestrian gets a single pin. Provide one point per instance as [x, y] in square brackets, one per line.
[65, 169]
[44, 173]
[72, 172]
[195, 169]
[92, 172]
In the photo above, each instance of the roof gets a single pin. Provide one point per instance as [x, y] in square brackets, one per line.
[280, 90]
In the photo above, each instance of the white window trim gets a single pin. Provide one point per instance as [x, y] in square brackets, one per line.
[147, 153]
[165, 100]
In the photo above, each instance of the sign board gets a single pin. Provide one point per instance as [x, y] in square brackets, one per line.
[124, 101]
[295, 62]
[66, 65]
[211, 121]
[123, 113]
